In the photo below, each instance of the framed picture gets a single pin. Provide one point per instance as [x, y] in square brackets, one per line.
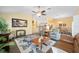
[19, 22]
[20, 33]
[64, 24]
[60, 25]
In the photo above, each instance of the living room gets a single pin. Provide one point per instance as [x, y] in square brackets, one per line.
[39, 29]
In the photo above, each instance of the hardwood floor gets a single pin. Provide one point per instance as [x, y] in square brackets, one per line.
[14, 49]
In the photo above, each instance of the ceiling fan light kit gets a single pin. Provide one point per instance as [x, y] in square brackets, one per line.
[40, 11]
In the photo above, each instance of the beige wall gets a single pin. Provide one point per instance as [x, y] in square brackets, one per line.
[35, 26]
[56, 22]
[30, 27]
[8, 17]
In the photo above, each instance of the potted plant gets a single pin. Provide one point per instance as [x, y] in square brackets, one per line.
[3, 26]
[3, 31]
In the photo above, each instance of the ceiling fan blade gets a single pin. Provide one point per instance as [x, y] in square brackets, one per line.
[43, 11]
[48, 8]
[34, 12]
[43, 14]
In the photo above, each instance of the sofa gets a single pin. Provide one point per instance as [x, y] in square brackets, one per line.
[65, 43]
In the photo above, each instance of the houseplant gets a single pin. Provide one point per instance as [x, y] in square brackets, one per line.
[3, 26]
[3, 30]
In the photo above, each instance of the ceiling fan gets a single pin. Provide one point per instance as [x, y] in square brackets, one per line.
[40, 11]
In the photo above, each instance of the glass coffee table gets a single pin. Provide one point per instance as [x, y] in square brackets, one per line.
[33, 48]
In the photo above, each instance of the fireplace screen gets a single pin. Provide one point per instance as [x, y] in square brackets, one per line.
[20, 33]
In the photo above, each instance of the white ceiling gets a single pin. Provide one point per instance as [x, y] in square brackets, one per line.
[55, 11]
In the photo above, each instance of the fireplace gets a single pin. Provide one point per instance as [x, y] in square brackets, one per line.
[20, 33]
